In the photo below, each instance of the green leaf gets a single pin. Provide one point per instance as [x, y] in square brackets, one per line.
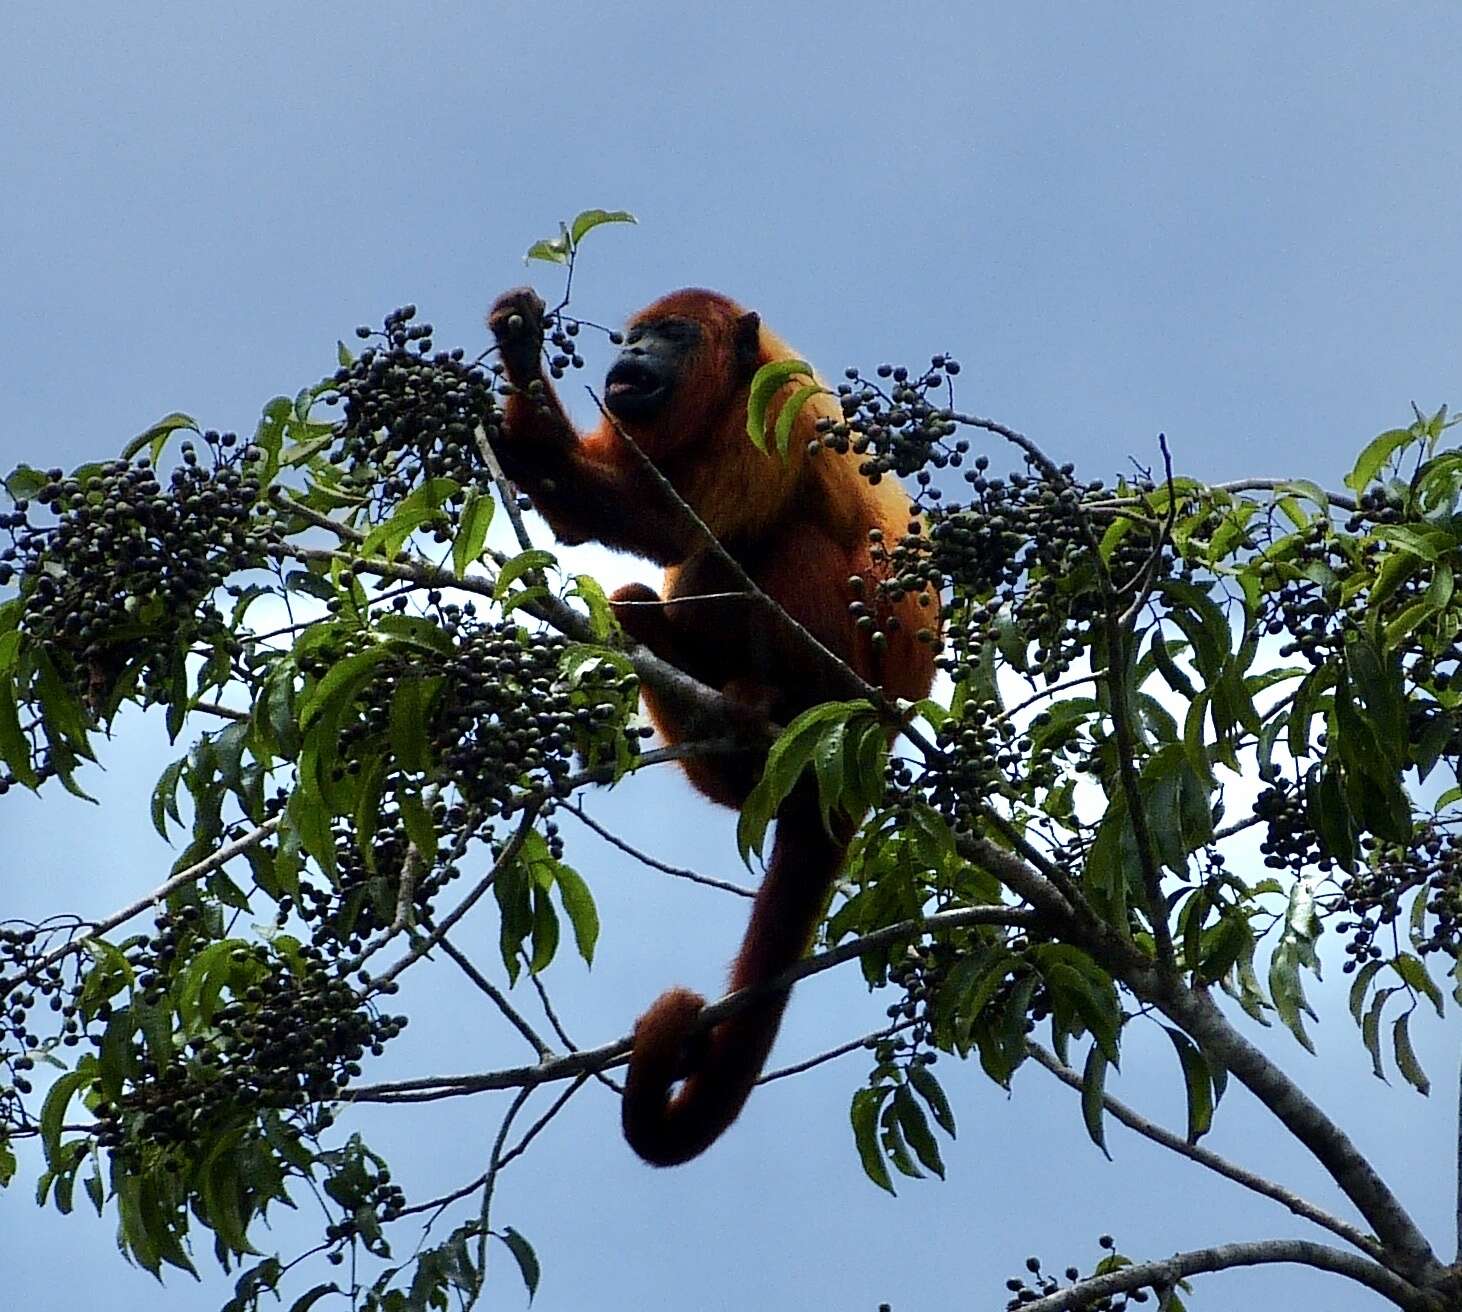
[7, 1163]
[1376, 453]
[1406, 1060]
[534, 559]
[587, 220]
[53, 1112]
[410, 720]
[420, 828]
[578, 905]
[311, 584]
[1371, 1032]
[157, 435]
[1414, 972]
[524, 1256]
[472, 529]
[787, 415]
[1093, 1086]
[1199, 1084]
[14, 745]
[341, 683]
[768, 381]
[915, 1127]
[1171, 672]
[545, 932]
[165, 797]
[1360, 986]
[864, 1116]
[929, 1089]
[23, 482]
[551, 250]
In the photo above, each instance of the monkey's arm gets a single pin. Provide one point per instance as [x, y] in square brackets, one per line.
[588, 489]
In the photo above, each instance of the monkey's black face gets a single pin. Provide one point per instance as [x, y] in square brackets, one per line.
[642, 380]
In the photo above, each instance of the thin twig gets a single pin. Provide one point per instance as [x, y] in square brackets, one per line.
[182, 879]
[533, 1130]
[432, 1088]
[222, 711]
[680, 872]
[489, 1181]
[506, 497]
[515, 1018]
[345, 532]
[428, 941]
[842, 1050]
[1134, 1120]
[563, 1034]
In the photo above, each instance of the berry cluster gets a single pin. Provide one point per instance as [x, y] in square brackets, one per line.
[1018, 557]
[23, 981]
[1038, 1284]
[896, 424]
[1374, 895]
[410, 414]
[562, 338]
[511, 720]
[1290, 841]
[121, 583]
[292, 1034]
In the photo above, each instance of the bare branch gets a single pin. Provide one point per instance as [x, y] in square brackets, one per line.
[563, 1034]
[222, 711]
[278, 496]
[431, 1088]
[533, 1130]
[842, 1050]
[644, 858]
[1206, 1157]
[506, 498]
[1340, 500]
[515, 1018]
[489, 1182]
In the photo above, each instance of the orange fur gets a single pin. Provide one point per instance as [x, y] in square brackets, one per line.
[799, 527]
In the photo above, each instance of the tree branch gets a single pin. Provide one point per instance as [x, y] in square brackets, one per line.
[644, 858]
[196, 871]
[588, 1060]
[1200, 1017]
[1166, 1272]
[1206, 1157]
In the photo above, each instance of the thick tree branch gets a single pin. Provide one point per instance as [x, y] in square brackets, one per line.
[1166, 1272]
[1202, 1020]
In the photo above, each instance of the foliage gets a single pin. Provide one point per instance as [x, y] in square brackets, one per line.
[367, 693]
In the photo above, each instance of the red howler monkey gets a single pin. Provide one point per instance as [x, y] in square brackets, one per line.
[799, 527]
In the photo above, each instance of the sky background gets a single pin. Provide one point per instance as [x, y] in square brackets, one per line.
[1234, 224]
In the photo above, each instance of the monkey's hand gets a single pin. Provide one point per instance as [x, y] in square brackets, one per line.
[516, 320]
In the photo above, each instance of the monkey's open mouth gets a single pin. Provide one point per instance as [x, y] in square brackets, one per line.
[633, 387]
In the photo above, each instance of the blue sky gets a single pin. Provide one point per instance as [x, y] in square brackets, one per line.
[1236, 225]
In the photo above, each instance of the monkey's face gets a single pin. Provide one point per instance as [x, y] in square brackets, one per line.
[642, 382]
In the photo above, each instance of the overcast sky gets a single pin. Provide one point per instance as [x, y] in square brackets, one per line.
[1234, 224]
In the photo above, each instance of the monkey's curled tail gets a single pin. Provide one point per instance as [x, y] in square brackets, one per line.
[718, 1069]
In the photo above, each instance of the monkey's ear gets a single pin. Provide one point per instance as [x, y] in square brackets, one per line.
[748, 342]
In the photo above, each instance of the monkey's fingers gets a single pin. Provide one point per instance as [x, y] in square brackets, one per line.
[516, 321]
